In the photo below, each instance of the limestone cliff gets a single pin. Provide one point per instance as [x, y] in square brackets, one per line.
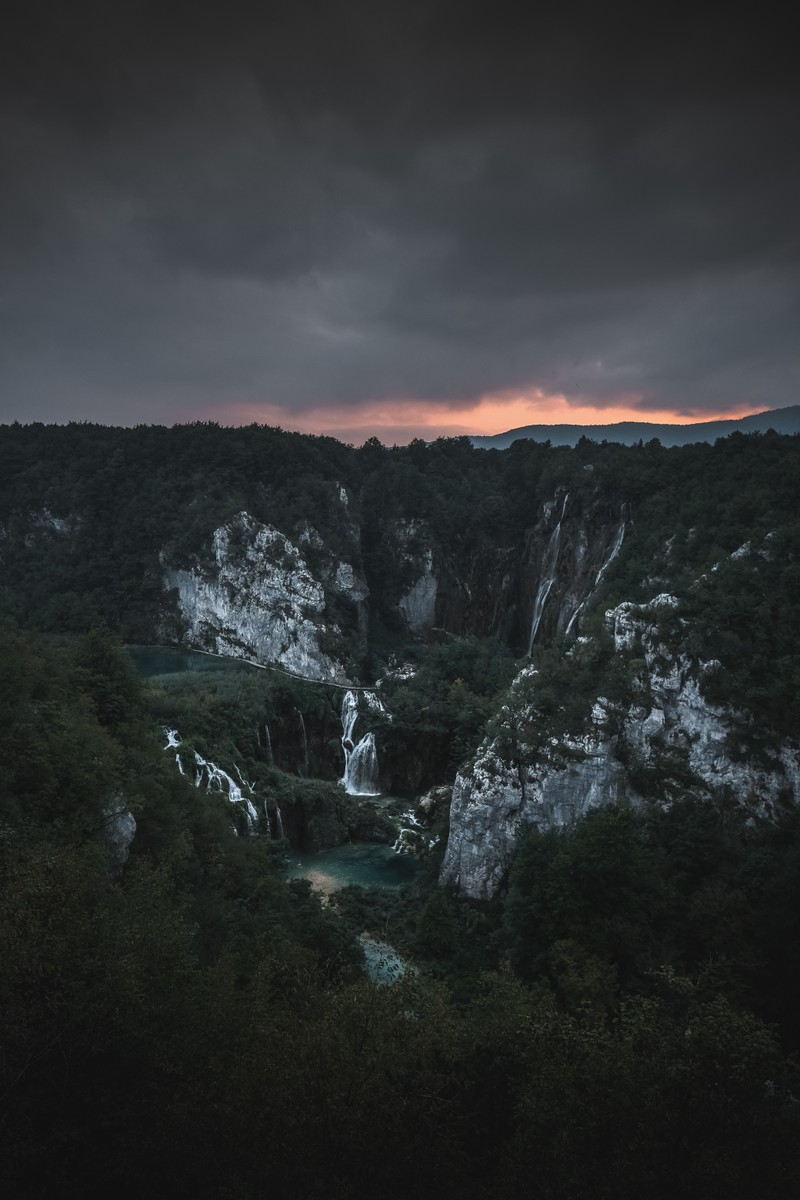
[257, 598]
[528, 592]
[418, 604]
[662, 739]
[565, 558]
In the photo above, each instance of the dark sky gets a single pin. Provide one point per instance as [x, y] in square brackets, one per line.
[396, 218]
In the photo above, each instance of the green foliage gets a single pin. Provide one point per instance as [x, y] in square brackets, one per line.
[88, 514]
[193, 1022]
[592, 912]
[746, 615]
[668, 1099]
[595, 895]
[442, 709]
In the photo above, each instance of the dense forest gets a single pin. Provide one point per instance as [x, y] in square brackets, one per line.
[88, 513]
[621, 1021]
[179, 1016]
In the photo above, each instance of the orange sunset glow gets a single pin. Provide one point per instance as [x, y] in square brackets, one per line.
[401, 421]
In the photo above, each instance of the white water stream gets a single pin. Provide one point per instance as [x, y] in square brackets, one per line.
[615, 549]
[548, 579]
[218, 780]
[360, 758]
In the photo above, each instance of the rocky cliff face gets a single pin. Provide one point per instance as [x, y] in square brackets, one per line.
[257, 598]
[418, 604]
[526, 594]
[664, 738]
[117, 833]
[412, 546]
[265, 596]
[565, 558]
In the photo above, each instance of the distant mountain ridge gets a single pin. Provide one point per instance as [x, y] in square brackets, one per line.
[628, 433]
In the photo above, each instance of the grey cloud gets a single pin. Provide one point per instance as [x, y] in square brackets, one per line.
[388, 204]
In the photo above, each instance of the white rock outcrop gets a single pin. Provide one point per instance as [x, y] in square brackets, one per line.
[503, 792]
[118, 832]
[259, 600]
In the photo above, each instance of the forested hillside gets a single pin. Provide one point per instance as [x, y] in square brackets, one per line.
[576, 674]
[190, 1021]
[92, 518]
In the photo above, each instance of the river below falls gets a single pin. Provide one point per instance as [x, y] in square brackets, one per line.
[367, 863]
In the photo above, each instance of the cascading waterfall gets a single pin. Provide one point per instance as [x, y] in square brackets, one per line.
[349, 718]
[242, 779]
[549, 567]
[615, 549]
[218, 780]
[221, 781]
[413, 835]
[173, 741]
[361, 768]
[360, 759]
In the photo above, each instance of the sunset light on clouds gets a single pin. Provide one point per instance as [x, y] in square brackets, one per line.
[401, 421]
[453, 222]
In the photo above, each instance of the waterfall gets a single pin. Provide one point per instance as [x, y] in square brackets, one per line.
[538, 609]
[173, 741]
[265, 742]
[361, 768]
[574, 617]
[279, 834]
[349, 718]
[219, 780]
[412, 834]
[615, 549]
[548, 568]
[360, 760]
[305, 741]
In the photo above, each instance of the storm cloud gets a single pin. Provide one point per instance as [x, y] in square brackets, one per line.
[349, 216]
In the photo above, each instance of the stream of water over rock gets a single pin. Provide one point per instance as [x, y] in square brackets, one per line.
[360, 758]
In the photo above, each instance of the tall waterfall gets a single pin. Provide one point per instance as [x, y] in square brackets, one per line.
[360, 759]
[304, 736]
[548, 578]
[615, 549]
[265, 742]
[279, 833]
[538, 609]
